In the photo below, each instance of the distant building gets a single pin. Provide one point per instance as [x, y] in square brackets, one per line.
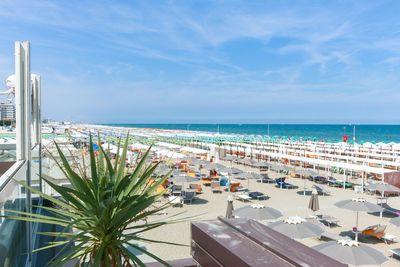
[7, 111]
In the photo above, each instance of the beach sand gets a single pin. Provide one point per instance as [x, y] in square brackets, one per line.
[292, 202]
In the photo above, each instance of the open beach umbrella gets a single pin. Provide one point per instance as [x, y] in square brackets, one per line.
[229, 208]
[262, 165]
[351, 252]
[305, 173]
[383, 187]
[248, 176]
[395, 221]
[281, 168]
[229, 158]
[183, 179]
[357, 205]
[297, 228]
[314, 204]
[229, 170]
[257, 212]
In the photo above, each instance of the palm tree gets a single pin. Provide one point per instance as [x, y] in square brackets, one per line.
[103, 214]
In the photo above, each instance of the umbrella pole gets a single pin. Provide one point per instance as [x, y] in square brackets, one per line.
[304, 189]
[381, 213]
[356, 238]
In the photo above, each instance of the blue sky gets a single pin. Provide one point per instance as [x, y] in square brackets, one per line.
[210, 61]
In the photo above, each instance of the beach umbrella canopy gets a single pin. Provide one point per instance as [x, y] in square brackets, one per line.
[395, 221]
[306, 173]
[229, 208]
[281, 168]
[383, 187]
[247, 175]
[314, 204]
[246, 161]
[257, 212]
[183, 179]
[213, 166]
[358, 204]
[262, 165]
[297, 228]
[228, 170]
[229, 158]
[351, 252]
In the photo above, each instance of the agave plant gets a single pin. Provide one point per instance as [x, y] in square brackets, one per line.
[104, 211]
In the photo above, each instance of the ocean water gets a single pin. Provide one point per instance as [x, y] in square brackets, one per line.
[322, 132]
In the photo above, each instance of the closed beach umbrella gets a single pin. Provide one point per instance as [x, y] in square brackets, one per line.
[351, 252]
[358, 204]
[229, 208]
[297, 228]
[314, 204]
[257, 212]
[395, 221]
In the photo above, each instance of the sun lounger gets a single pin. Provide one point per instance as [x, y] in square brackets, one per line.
[196, 187]
[216, 187]
[321, 190]
[282, 184]
[243, 197]
[206, 181]
[329, 220]
[266, 180]
[320, 179]
[390, 210]
[395, 252]
[332, 236]
[175, 201]
[257, 195]
[377, 231]
[188, 196]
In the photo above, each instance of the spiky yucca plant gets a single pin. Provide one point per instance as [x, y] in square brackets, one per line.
[105, 210]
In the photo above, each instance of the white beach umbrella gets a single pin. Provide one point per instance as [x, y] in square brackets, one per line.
[297, 228]
[358, 204]
[352, 253]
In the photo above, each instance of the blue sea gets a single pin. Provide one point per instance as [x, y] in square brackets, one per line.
[321, 132]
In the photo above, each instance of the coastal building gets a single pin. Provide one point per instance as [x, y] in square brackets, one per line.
[7, 112]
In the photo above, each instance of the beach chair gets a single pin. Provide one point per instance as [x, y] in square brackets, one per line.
[188, 196]
[377, 231]
[395, 253]
[216, 187]
[282, 184]
[390, 210]
[257, 195]
[320, 179]
[175, 201]
[332, 236]
[322, 190]
[328, 220]
[196, 187]
[243, 197]
[266, 179]
[206, 181]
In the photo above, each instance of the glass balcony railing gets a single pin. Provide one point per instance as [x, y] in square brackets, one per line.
[13, 233]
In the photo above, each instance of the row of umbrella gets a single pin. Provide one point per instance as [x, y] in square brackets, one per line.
[345, 251]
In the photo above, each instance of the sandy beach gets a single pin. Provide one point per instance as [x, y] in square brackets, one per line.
[291, 202]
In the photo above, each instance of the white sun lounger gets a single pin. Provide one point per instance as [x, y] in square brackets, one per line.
[243, 197]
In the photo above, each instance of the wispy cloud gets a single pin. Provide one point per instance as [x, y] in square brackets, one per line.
[188, 58]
